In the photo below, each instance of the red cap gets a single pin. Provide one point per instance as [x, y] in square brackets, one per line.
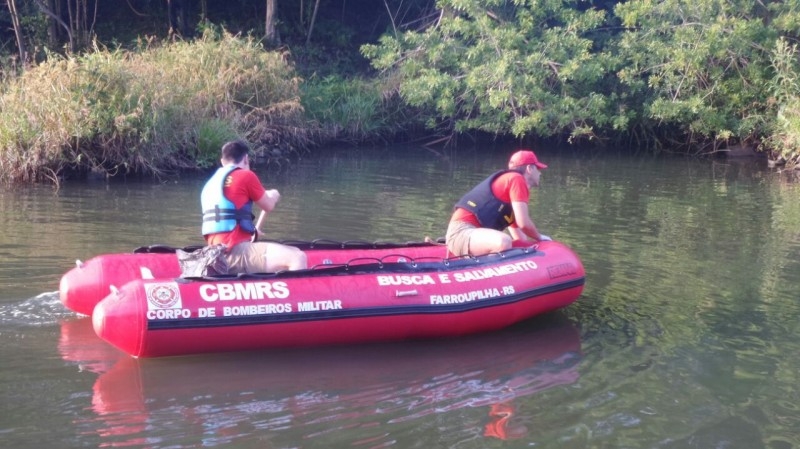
[525, 157]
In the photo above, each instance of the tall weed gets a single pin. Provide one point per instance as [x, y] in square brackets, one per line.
[163, 107]
[355, 109]
[785, 136]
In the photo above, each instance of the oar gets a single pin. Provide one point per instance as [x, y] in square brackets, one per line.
[259, 222]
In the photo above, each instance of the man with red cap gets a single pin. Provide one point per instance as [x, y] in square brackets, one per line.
[498, 202]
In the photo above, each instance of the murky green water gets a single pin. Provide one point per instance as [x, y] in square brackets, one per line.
[686, 335]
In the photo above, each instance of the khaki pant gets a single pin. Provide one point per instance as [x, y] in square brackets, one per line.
[458, 237]
[264, 257]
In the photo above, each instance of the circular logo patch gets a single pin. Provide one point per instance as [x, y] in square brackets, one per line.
[163, 296]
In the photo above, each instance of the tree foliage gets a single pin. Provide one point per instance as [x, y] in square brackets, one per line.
[693, 73]
[503, 67]
[704, 65]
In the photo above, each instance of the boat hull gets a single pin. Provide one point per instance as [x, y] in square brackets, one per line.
[352, 303]
[82, 287]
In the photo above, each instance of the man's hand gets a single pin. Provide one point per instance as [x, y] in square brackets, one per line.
[273, 195]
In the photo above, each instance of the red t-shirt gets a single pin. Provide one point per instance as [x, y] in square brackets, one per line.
[508, 188]
[240, 187]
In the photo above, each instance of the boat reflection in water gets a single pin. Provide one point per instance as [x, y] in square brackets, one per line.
[369, 394]
[80, 345]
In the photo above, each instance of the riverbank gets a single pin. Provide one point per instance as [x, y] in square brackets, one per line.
[168, 107]
[164, 107]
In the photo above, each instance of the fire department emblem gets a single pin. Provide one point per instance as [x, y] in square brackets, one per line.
[163, 296]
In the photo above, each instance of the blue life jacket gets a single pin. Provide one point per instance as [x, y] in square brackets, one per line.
[219, 213]
[488, 209]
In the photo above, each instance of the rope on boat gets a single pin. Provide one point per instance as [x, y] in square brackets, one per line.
[302, 244]
[374, 263]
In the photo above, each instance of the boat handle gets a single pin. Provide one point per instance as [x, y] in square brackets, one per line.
[406, 293]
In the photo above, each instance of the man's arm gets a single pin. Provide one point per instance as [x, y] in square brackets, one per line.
[523, 221]
[517, 234]
[268, 200]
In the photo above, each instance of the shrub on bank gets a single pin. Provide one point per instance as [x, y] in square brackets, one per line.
[784, 138]
[160, 108]
[355, 110]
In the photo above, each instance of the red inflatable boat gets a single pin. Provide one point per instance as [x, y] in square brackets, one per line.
[350, 295]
